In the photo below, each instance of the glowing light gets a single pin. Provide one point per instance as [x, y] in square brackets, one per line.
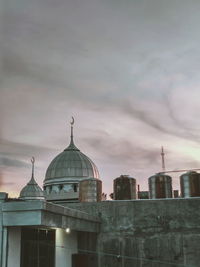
[67, 230]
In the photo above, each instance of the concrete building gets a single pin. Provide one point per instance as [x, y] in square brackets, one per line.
[68, 225]
[37, 234]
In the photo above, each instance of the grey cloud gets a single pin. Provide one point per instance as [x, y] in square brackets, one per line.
[15, 64]
[7, 145]
[182, 128]
[123, 151]
[10, 162]
[142, 115]
[173, 127]
[51, 35]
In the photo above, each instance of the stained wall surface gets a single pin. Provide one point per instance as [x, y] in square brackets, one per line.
[14, 248]
[141, 233]
[66, 245]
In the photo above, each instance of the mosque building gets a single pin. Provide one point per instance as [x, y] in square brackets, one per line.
[69, 223]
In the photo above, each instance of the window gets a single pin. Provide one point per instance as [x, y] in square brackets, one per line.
[37, 247]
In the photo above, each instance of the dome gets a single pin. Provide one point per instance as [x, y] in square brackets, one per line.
[71, 164]
[32, 190]
[66, 171]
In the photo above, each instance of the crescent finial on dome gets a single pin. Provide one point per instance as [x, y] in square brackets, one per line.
[72, 122]
[33, 166]
[72, 131]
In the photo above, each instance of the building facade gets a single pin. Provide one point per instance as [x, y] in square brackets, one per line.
[67, 224]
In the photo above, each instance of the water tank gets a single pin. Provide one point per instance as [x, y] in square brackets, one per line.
[190, 184]
[124, 188]
[160, 186]
[90, 190]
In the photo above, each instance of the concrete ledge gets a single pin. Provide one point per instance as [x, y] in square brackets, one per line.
[41, 213]
[145, 217]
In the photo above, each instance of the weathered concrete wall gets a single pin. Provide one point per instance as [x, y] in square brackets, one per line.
[156, 233]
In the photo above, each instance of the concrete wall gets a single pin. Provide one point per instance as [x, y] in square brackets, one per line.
[14, 247]
[66, 245]
[143, 233]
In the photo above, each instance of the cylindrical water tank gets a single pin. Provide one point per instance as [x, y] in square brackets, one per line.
[124, 188]
[160, 186]
[90, 190]
[190, 184]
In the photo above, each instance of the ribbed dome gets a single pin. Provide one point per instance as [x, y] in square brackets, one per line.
[71, 163]
[32, 190]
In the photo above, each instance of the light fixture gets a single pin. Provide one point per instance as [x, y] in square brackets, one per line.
[67, 230]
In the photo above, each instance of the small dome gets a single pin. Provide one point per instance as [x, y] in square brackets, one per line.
[32, 190]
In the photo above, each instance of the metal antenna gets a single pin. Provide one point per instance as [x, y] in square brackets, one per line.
[163, 158]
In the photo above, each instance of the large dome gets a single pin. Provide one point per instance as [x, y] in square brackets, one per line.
[71, 163]
[66, 171]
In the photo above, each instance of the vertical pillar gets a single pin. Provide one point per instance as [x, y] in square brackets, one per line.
[3, 232]
[66, 245]
[4, 247]
[14, 247]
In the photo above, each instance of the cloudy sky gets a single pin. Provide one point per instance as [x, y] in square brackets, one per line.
[128, 71]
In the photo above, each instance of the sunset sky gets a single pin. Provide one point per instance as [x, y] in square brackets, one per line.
[128, 71]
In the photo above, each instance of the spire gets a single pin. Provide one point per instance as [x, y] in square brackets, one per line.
[33, 166]
[72, 130]
[72, 145]
[32, 181]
